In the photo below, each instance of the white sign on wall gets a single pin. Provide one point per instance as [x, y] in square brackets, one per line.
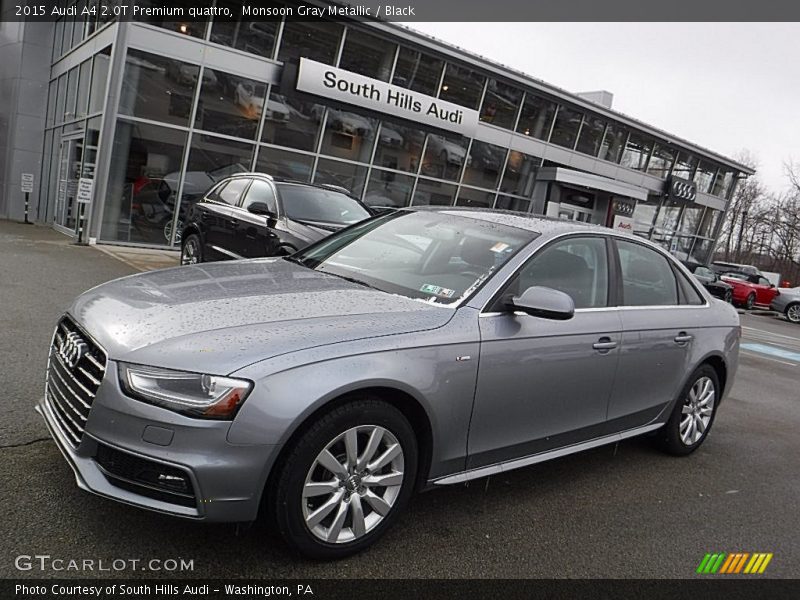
[85, 187]
[344, 86]
[623, 223]
[26, 183]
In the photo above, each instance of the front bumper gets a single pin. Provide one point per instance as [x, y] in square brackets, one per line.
[225, 480]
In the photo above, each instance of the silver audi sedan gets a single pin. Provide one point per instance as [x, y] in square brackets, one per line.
[421, 348]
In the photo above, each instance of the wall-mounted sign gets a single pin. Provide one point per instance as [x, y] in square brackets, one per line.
[681, 190]
[623, 223]
[623, 206]
[350, 88]
[85, 187]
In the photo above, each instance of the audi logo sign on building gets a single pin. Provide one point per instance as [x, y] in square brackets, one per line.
[682, 189]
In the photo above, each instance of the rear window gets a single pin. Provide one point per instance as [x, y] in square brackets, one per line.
[318, 205]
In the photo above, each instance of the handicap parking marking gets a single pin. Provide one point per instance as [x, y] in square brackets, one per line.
[772, 351]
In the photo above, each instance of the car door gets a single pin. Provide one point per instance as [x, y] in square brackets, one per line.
[542, 383]
[662, 314]
[765, 291]
[220, 219]
[255, 231]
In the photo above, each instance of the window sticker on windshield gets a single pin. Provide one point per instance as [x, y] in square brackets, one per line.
[499, 247]
[436, 290]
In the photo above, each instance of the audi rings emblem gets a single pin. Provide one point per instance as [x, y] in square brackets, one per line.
[683, 190]
[72, 349]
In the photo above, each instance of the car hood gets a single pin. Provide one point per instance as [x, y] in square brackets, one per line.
[219, 317]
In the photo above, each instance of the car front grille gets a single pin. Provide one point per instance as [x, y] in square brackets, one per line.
[145, 477]
[75, 369]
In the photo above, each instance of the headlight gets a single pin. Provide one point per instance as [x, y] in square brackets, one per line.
[192, 394]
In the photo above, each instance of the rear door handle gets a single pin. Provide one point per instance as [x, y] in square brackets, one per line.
[604, 344]
[683, 338]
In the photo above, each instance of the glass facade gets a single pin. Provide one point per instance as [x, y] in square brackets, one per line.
[179, 126]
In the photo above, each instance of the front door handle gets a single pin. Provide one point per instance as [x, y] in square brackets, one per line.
[683, 338]
[604, 344]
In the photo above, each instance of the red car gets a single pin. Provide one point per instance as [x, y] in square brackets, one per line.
[750, 290]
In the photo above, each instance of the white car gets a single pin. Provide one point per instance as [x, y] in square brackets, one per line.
[450, 152]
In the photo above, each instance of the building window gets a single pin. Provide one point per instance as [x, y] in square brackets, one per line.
[434, 193]
[81, 107]
[644, 214]
[292, 122]
[685, 166]
[417, 72]
[255, 37]
[282, 163]
[661, 161]
[668, 215]
[704, 176]
[387, 188]
[157, 88]
[722, 183]
[142, 183]
[444, 156]
[51, 103]
[316, 41]
[475, 198]
[500, 104]
[637, 152]
[462, 86]
[591, 136]
[349, 135]
[614, 143]
[536, 117]
[347, 175]
[399, 147]
[484, 164]
[690, 221]
[230, 104]
[565, 130]
[708, 225]
[97, 95]
[367, 55]
[72, 90]
[520, 174]
[510, 203]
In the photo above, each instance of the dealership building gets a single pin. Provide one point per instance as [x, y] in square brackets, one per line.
[129, 123]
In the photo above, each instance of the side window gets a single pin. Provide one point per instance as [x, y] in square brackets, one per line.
[764, 281]
[576, 266]
[214, 193]
[231, 192]
[647, 278]
[262, 192]
[688, 292]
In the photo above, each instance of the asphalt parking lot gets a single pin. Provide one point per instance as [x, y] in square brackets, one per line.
[617, 511]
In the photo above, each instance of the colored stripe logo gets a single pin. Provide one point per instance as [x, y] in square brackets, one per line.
[734, 563]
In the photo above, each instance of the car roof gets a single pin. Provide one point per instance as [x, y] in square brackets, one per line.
[546, 226]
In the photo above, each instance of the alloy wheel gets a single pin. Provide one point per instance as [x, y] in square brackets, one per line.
[697, 410]
[353, 484]
[729, 297]
[190, 254]
[793, 313]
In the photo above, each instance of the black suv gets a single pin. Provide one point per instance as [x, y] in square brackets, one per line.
[248, 215]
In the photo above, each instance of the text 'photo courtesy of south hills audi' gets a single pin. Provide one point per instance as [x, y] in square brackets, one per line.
[422, 347]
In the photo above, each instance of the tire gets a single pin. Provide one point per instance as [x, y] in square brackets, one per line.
[792, 312]
[675, 437]
[750, 302]
[326, 525]
[192, 250]
[728, 296]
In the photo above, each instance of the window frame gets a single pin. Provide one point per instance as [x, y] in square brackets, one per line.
[253, 180]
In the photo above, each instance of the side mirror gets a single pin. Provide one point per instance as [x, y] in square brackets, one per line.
[260, 208]
[543, 302]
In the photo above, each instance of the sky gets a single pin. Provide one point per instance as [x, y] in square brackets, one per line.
[727, 87]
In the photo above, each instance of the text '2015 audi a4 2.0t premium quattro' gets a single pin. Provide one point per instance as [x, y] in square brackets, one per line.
[419, 348]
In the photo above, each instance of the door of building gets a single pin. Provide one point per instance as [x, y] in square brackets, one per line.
[69, 172]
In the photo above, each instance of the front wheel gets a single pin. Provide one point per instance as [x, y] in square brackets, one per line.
[694, 413]
[192, 250]
[793, 313]
[750, 302]
[728, 296]
[345, 480]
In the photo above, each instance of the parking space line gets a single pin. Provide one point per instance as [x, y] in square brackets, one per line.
[788, 337]
[772, 352]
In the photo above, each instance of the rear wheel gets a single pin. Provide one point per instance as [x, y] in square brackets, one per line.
[694, 413]
[345, 480]
[750, 302]
[793, 312]
[728, 296]
[192, 250]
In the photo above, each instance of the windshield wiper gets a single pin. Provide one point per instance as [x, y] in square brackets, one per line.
[351, 280]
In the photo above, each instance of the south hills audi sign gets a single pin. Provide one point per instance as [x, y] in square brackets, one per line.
[351, 88]
[681, 190]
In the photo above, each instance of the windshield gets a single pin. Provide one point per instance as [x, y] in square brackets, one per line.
[437, 256]
[306, 203]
